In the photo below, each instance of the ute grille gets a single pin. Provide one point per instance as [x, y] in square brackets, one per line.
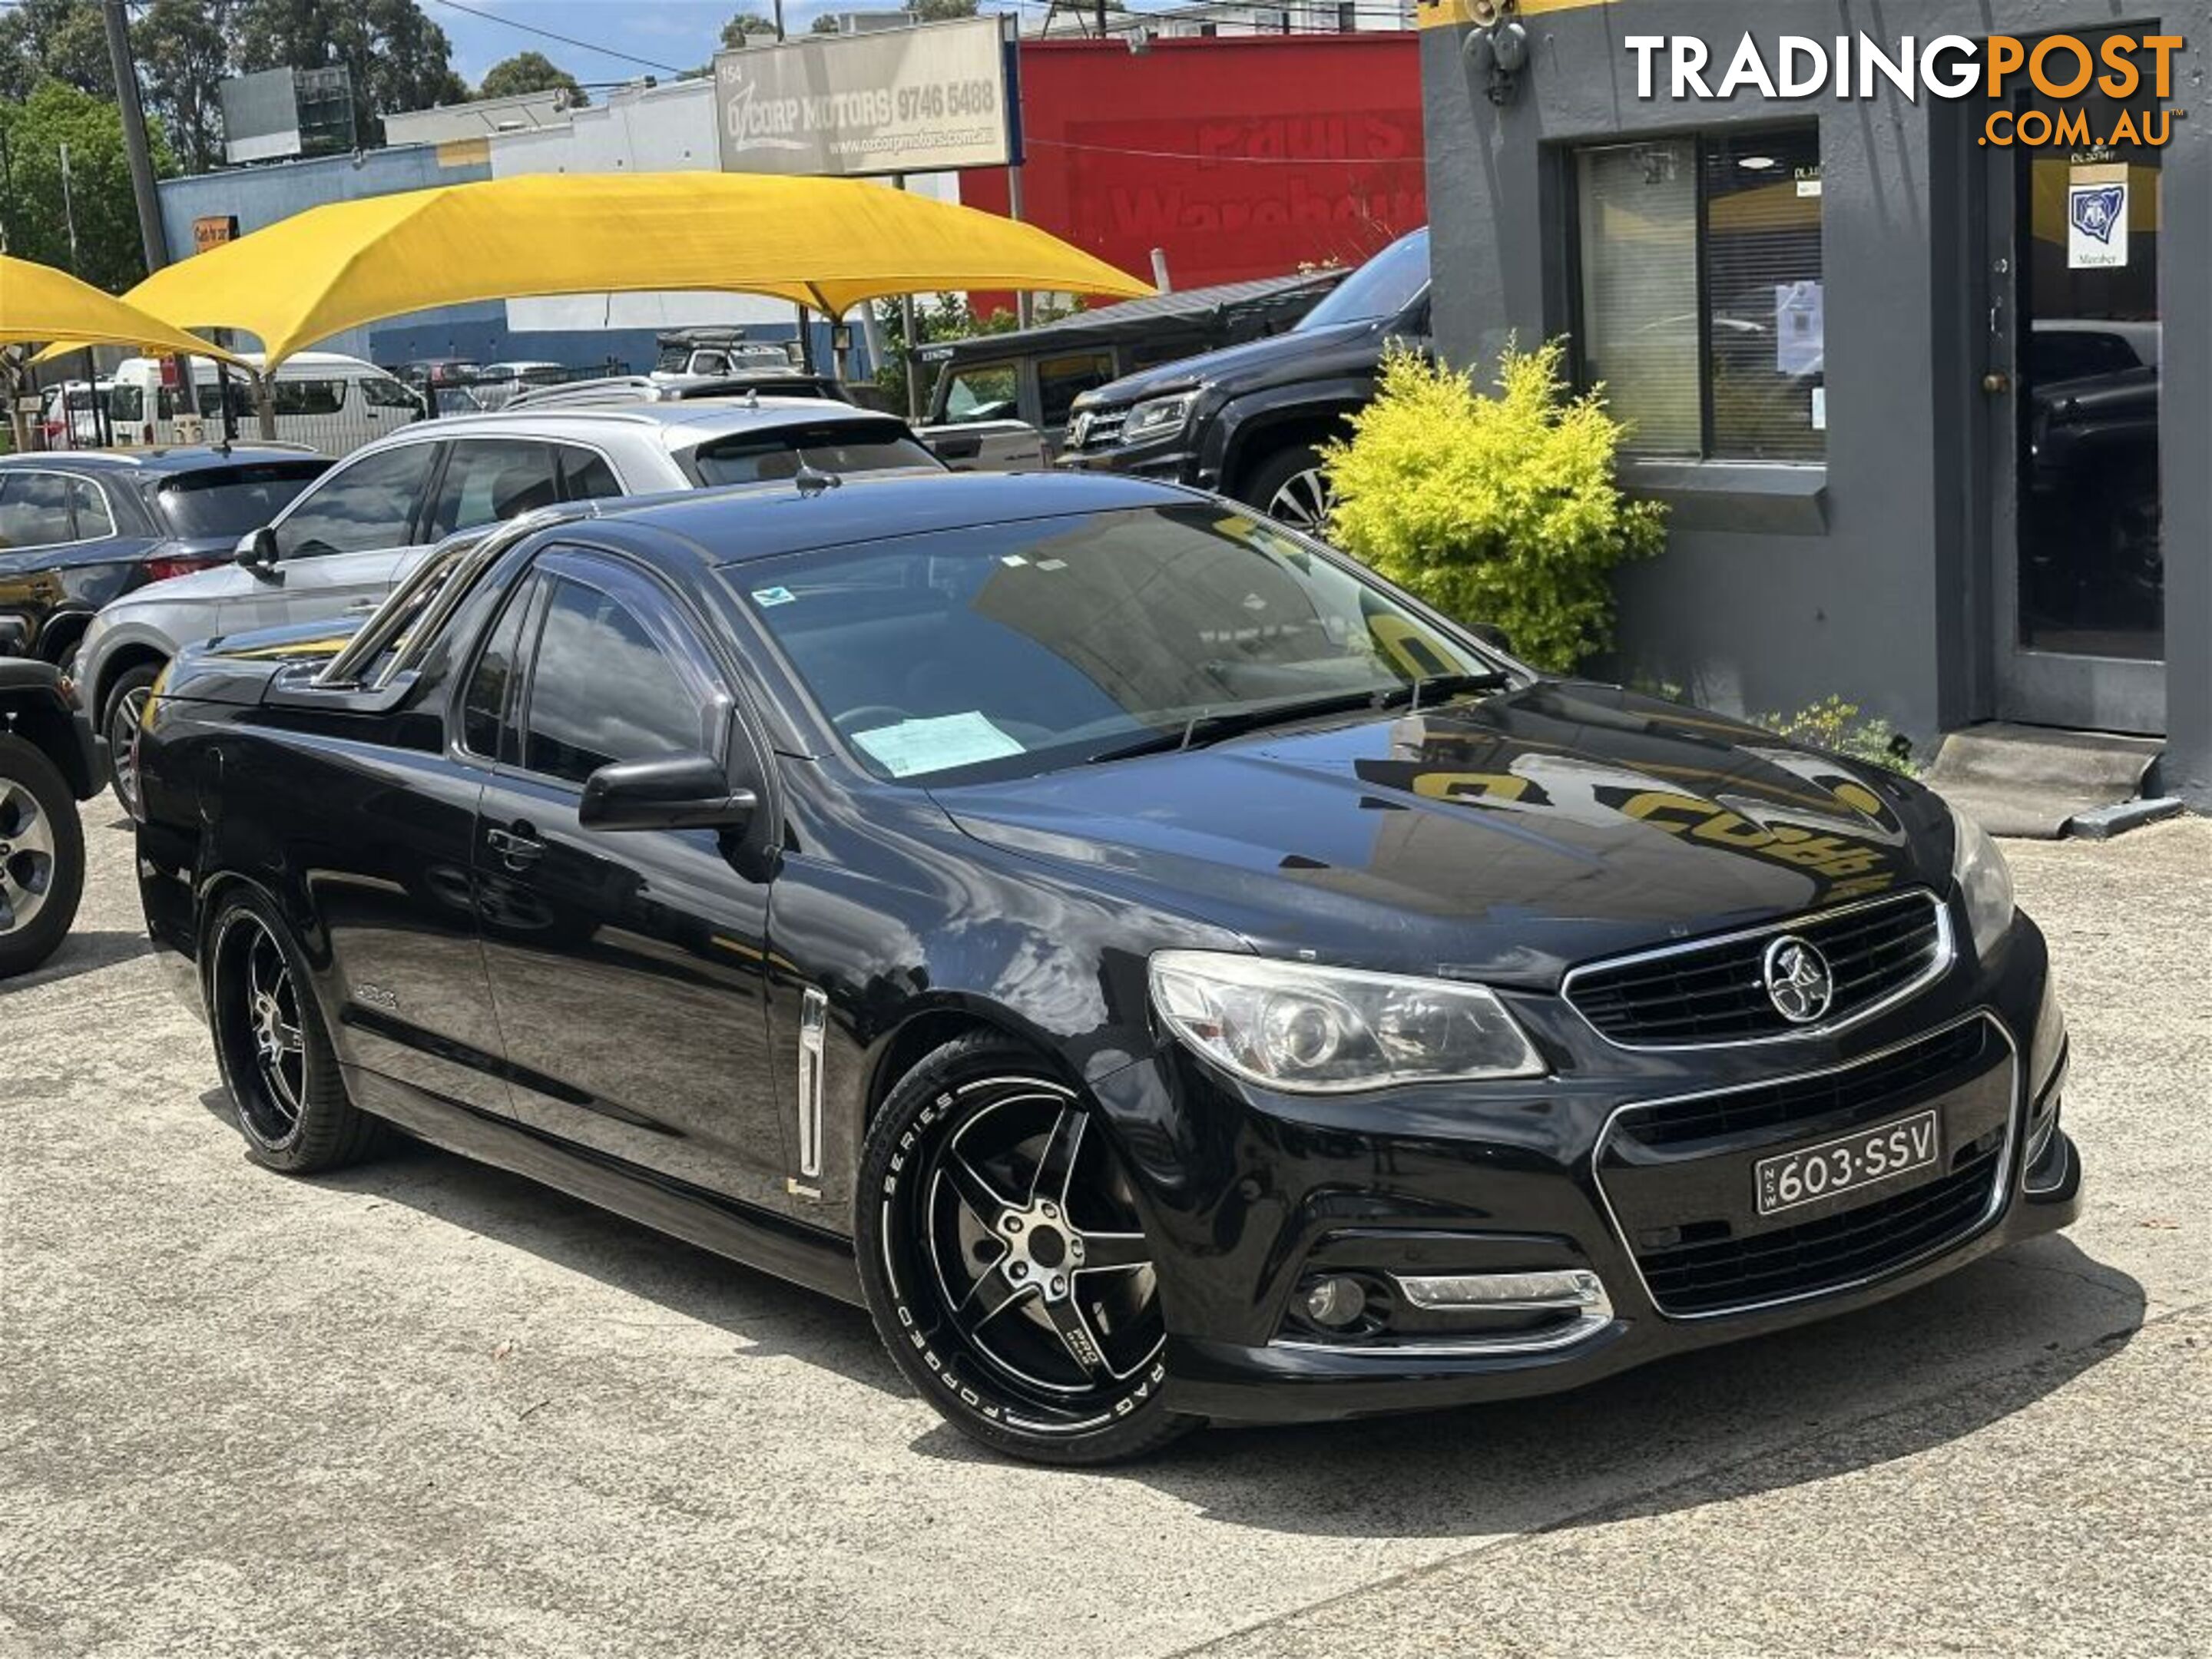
[1715, 991]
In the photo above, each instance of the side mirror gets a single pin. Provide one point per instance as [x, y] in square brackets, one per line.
[678, 792]
[257, 549]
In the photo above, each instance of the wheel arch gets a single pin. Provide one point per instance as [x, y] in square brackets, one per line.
[930, 1028]
[136, 653]
[1258, 434]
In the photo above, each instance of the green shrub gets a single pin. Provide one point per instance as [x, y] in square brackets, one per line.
[1499, 509]
[1835, 725]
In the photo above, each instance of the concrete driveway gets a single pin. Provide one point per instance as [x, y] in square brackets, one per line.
[428, 1409]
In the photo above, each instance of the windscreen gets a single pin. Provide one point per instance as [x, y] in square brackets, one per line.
[831, 446]
[1378, 290]
[1002, 650]
[230, 501]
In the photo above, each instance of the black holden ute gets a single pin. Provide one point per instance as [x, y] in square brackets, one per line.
[1163, 972]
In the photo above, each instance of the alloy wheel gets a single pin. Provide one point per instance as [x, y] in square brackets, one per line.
[28, 863]
[123, 743]
[1304, 501]
[1033, 1260]
[260, 999]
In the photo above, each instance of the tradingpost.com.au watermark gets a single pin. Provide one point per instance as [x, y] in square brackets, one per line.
[2118, 66]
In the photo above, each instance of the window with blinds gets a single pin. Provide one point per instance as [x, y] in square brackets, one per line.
[1701, 299]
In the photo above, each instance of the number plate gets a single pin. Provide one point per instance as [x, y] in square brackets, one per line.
[1859, 1159]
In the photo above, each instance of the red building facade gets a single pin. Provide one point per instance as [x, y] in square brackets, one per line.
[1240, 156]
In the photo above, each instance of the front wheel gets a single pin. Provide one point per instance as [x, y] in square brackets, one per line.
[1291, 488]
[1006, 1265]
[42, 856]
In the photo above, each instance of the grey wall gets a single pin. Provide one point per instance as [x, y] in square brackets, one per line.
[1865, 577]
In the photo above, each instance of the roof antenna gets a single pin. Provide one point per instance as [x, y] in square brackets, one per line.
[813, 480]
[752, 397]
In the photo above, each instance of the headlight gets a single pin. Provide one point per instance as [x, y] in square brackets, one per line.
[1319, 1030]
[1984, 882]
[1158, 417]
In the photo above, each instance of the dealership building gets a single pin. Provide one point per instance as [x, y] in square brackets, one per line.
[1932, 414]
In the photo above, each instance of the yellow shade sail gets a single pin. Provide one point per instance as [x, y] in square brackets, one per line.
[38, 303]
[828, 243]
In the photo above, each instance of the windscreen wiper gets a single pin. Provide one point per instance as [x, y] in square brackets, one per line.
[1211, 724]
[1414, 693]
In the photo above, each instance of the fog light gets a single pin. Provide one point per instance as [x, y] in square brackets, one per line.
[1567, 1288]
[1335, 1301]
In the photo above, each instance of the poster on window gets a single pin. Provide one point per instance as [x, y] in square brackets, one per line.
[2096, 217]
[1798, 328]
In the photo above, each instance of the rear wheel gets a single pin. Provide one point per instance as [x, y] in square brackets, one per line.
[274, 1056]
[42, 856]
[1006, 1262]
[126, 707]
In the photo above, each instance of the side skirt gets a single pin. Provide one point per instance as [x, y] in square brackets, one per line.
[819, 1261]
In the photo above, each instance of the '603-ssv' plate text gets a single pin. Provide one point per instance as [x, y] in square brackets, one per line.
[1860, 1159]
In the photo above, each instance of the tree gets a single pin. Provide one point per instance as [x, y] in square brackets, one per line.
[531, 72]
[743, 28]
[824, 23]
[62, 40]
[183, 48]
[32, 132]
[398, 58]
[941, 11]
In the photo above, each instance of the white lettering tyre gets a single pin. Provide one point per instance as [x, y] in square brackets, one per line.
[1005, 1263]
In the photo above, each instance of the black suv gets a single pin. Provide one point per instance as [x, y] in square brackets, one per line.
[1249, 421]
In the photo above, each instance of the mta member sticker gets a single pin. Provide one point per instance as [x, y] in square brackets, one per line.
[2097, 218]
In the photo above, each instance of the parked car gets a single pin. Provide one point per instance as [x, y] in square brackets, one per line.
[1249, 421]
[1035, 374]
[719, 350]
[80, 528]
[777, 382]
[982, 445]
[1160, 970]
[498, 383]
[343, 544]
[322, 400]
[46, 769]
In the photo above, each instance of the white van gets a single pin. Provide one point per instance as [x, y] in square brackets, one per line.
[325, 400]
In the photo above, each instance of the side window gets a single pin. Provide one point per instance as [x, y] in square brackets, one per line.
[34, 509]
[585, 475]
[89, 504]
[487, 710]
[710, 362]
[1060, 380]
[985, 392]
[308, 397]
[603, 690]
[382, 391]
[490, 479]
[369, 504]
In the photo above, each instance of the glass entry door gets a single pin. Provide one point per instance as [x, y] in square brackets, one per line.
[2079, 566]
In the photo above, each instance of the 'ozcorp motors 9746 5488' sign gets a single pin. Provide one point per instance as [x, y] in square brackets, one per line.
[924, 100]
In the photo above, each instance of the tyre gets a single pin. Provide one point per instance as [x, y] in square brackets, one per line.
[271, 1047]
[1005, 1263]
[1289, 486]
[126, 705]
[42, 856]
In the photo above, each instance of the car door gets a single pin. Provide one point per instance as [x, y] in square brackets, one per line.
[65, 550]
[627, 967]
[340, 545]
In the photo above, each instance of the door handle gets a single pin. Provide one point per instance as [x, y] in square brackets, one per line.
[1996, 381]
[518, 847]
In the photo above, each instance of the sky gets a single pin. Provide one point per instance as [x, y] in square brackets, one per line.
[672, 35]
